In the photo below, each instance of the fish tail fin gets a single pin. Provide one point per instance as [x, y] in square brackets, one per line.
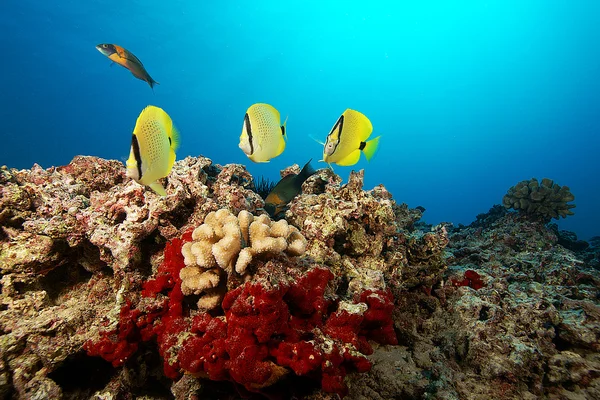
[175, 137]
[307, 171]
[158, 188]
[371, 147]
[283, 139]
[283, 129]
[152, 82]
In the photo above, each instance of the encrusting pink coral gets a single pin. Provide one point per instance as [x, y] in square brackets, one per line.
[267, 330]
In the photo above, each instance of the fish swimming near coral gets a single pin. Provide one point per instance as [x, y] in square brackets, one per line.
[153, 146]
[286, 189]
[348, 138]
[126, 59]
[263, 136]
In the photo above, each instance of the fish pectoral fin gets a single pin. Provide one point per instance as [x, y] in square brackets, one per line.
[371, 147]
[158, 188]
[316, 140]
[350, 159]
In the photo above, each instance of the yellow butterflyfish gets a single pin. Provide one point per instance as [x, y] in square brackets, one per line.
[263, 136]
[153, 146]
[348, 138]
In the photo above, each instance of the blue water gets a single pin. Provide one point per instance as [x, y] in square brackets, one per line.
[470, 97]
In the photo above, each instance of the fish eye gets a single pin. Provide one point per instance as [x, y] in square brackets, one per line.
[105, 45]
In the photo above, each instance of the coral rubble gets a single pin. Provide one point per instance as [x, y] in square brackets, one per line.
[110, 291]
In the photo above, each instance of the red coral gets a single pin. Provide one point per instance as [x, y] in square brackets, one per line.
[302, 357]
[264, 328]
[344, 326]
[116, 346]
[378, 324]
[472, 279]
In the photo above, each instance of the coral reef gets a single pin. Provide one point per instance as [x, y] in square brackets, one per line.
[225, 243]
[365, 235]
[263, 186]
[531, 327]
[544, 199]
[110, 291]
[281, 321]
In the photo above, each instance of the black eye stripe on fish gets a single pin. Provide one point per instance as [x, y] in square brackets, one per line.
[339, 125]
[249, 132]
[136, 153]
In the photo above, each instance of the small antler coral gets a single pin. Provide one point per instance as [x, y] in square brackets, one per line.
[546, 199]
[226, 243]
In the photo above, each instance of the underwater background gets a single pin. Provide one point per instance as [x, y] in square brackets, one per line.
[470, 97]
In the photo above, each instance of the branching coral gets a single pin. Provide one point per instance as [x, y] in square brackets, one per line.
[546, 199]
[225, 243]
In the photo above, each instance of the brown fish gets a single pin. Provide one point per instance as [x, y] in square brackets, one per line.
[128, 60]
[286, 189]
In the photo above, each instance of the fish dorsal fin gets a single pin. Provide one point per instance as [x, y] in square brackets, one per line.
[359, 123]
[272, 109]
[131, 57]
[350, 159]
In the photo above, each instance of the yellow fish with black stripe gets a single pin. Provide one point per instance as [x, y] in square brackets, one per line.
[263, 136]
[153, 146]
[348, 138]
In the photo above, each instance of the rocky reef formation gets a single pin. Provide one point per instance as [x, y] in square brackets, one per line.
[110, 291]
